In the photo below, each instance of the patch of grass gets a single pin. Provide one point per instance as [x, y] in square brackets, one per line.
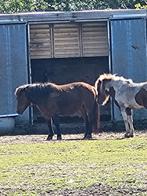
[33, 168]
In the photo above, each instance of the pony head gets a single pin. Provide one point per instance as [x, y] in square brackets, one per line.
[22, 99]
[102, 88]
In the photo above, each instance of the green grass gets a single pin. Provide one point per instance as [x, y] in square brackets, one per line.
[33, 168]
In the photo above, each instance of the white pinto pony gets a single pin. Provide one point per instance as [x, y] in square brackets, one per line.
[126, 94]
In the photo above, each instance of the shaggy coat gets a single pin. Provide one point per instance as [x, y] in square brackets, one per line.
[53, 100]
[126, 94]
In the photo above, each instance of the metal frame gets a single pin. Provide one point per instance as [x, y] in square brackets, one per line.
[29, 69]
[110, 63]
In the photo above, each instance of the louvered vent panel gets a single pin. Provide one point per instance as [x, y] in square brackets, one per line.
[66, 40]
[40, 41]
[94, 39]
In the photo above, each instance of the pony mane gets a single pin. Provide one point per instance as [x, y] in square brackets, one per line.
[35, 90]
[114, 77]
[36, 86]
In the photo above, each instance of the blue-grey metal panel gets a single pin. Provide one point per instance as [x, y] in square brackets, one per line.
[13, 65]
[129, 54]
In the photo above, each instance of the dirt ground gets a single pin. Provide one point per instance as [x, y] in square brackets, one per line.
[37, 138]
[95, 190]
[99, 189]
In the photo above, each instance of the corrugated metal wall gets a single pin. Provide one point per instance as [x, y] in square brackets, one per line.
[129, 53]
[87, 39]
[13, 65]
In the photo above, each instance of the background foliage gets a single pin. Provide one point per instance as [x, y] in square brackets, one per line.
[13, 6]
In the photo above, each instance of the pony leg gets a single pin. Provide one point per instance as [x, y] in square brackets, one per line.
[130, 121]
[88, 123]
[96, 117]
[57, 125]
[51, 133]
[89, 135]
[127, 122]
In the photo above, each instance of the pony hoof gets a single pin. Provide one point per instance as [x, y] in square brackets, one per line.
[49, 138]
[59, 137]
[128, 135]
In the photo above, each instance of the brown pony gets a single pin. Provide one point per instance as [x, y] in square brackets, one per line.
[54, 100]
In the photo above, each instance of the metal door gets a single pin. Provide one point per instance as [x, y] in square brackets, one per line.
[129, 53]
[13, 65]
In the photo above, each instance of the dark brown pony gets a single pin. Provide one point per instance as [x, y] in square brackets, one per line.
[53, 100]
